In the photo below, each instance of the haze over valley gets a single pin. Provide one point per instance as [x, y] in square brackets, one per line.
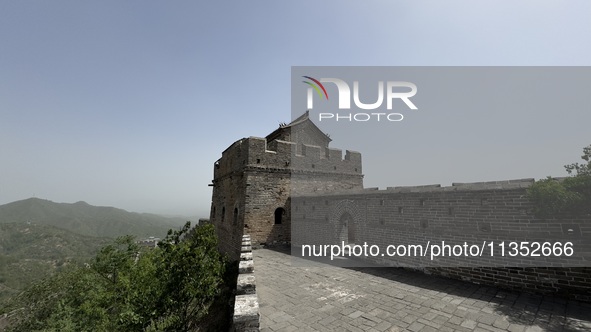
[38, 236]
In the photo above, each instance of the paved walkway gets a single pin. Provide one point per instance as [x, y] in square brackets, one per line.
[325, 298]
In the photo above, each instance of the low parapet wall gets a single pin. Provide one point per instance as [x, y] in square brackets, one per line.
[246, 305]
[490, 214]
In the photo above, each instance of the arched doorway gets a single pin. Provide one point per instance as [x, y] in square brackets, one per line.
[348, 229]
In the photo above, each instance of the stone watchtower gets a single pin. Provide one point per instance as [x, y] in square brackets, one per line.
[255, 178]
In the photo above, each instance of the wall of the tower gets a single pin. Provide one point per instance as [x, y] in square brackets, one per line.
[253, 182]
[228, 197]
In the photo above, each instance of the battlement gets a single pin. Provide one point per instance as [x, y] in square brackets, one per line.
[282, 154]
[457, 186]
[433, 188]
[258, 153]
[233, 159]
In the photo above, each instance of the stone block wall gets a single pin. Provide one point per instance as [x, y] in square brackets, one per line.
[246, 305]
[497, 211]
[267, 191]
[253, 181]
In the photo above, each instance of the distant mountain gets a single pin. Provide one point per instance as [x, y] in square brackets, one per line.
[86, 219]
[29, 252]
[38, 237]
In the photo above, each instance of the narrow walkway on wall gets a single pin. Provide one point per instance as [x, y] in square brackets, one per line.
[325, 298]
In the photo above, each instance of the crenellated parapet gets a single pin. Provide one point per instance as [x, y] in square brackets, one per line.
[437, 188]
[256, 152]
[284, 155]
[233, 159]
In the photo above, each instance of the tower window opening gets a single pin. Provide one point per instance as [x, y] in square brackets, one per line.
[279, 215]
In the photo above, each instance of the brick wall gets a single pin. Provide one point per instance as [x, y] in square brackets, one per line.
[254, 178]
[246, 316]
[492, 211]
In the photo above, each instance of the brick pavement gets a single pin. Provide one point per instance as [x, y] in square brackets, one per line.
[320, 297]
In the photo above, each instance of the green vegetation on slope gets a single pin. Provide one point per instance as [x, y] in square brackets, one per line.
[182, 285]
[86, 219]
[39, 237]
[29, 252]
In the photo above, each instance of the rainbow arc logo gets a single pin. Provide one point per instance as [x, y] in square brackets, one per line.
[316, 85]
[390, 91]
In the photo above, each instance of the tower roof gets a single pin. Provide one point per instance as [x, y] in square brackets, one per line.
[298, 125]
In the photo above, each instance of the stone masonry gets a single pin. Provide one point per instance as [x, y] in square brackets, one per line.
[253, 181]
[291, 187]
[246, 304]
[493, 211]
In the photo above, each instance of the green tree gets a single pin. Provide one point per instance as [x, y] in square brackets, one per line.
[581, 169]
[192, 271]
[127, 287]
[571, 195]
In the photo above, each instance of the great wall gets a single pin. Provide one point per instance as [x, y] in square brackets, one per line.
[292, 188]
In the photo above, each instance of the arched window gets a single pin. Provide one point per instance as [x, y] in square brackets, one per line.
[279, 214]
[235, 216]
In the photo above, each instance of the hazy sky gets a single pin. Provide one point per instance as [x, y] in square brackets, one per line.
[129, 103]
